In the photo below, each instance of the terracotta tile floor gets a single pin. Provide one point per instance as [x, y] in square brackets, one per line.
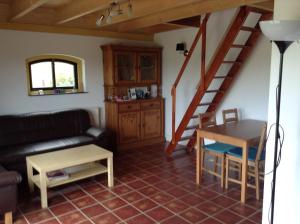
[149, 188]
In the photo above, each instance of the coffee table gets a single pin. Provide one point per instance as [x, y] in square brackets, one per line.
[88, 156]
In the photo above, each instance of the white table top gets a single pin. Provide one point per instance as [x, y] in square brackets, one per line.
[68, 157]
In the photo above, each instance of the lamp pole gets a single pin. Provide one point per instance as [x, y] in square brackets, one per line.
[282, 46]
[283, 33]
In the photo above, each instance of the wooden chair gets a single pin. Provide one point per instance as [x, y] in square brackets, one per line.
[256, 155]
[230, 115]
[216, 150]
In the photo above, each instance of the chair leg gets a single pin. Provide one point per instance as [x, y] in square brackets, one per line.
[227, 173]
[202, 159]
[240, 171]
[257, 182]
[216, 164]
[8, 218]
[223, 171]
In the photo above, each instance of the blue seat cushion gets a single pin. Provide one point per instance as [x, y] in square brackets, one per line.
[219, 147]
[251, 153]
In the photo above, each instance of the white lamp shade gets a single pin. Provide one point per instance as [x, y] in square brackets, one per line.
[281, 30]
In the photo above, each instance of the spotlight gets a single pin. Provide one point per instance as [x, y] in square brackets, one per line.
[99, 20]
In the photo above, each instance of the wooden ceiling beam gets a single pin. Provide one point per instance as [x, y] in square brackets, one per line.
[160, 28]
[74, 31]
[188, 22]
[182, 12]
[269, 5]
[78, 8]
[22, 8]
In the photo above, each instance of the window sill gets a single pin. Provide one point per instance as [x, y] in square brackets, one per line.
[57, 94]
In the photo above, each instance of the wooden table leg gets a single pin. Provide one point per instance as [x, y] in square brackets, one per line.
[30, 176]
[43, 188]
[110, 172]
[244, 172]
[8, 219]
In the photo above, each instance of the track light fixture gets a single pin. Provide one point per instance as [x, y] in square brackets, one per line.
[113, 10]
[129, 11]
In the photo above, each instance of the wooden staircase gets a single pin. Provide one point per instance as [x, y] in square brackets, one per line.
[210, 74]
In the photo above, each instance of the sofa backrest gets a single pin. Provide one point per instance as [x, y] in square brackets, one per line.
[28, 128]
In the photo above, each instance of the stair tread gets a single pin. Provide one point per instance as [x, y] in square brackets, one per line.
[205, 104]
[239, 46]
[214, 91]
[250, 29]
[186, 138]
[223, 77]
[232, 62]
[191, 127]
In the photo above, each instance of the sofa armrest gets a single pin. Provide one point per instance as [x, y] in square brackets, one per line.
[94, 132]
[9, 178]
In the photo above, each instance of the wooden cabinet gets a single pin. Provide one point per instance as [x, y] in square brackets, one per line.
[147, 67]
[125, 67]
[135, 122]
[151, 124]
[129, 127]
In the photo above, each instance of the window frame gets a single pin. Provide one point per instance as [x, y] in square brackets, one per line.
[78, 65]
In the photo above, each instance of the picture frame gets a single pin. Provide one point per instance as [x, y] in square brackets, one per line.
[132, 93]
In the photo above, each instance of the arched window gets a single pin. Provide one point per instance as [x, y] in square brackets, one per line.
[54, 74]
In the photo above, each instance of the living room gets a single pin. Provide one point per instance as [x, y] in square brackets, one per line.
[165, 183]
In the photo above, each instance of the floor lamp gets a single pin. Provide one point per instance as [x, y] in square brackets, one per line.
[283, 34]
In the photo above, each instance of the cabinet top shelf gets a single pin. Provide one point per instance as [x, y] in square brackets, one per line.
[131, 48]
[134, 101]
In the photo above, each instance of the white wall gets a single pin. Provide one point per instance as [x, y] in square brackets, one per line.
[16, 46]
[250, 91]
[288, 173]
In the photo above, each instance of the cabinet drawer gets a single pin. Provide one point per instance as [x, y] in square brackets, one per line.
[150, 105]
[129, 107]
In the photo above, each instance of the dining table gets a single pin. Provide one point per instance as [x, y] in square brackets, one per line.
[242, 133]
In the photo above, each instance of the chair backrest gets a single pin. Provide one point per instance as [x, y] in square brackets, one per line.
[262, 142]
[230, 115]
[207, 119]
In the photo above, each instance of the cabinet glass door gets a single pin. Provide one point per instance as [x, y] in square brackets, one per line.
[125, 67]
[147, 67]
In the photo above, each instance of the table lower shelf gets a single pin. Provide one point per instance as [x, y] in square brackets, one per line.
[93, 170]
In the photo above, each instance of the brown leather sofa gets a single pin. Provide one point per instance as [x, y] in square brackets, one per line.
[8, 193]
[29, 134]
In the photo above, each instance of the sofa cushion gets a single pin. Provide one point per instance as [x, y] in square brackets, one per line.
[2, 169]
[18, 153]
[31, 128]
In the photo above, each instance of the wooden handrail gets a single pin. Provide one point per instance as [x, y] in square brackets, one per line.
[203, 55]
[188, 57]
[185, 63]
[173, 93]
